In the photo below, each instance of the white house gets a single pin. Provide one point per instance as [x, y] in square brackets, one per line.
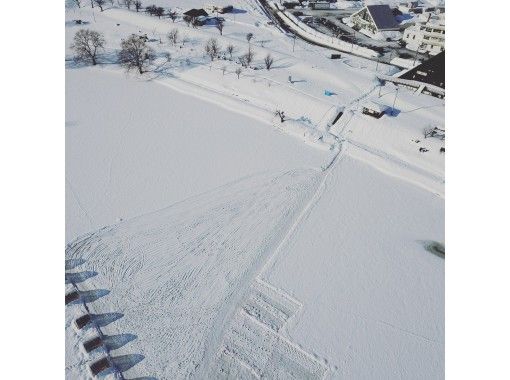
[374, 20]
[427, 34]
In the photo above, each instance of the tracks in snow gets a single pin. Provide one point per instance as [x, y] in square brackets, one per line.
[176, 275]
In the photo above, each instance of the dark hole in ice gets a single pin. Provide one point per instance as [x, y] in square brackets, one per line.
[435, 248]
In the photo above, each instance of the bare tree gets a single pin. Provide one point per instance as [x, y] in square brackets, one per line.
[247, 58]
[187, 20]
[249, 36]
[151, 9]
[173, 35]
[77, 3]
[138, 5]
[172, 15]
[280, 114]
[238, 72]
[428, 132]
[219, 25]
[127, 3]
[230, 50]
[100, 4]
[212, 48]
[87, 44]
[159, 11]
[268, 60]
[92, 3]
[135, 53]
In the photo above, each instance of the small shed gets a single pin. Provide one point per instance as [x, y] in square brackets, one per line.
[99, 366]
[226, 9]
[82, 321]
[194, 13]
[92, 344]
[72, 296]
[374, 109]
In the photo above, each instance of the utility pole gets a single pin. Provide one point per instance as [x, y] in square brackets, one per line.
[294, 43]
[394, 101]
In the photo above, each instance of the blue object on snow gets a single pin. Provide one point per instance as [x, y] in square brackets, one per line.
[328, 93]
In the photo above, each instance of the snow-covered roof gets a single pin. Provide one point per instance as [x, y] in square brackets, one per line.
[374, 106]
[383, 16]
[195, 13]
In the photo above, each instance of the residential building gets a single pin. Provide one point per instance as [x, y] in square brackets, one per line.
[431, 71]
[375, 18]
[426, 35]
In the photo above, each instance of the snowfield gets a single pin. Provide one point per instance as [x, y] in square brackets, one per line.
[208, 240]
[159, 147]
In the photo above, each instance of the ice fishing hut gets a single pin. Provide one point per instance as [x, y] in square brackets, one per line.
[82, 321]
[92, 344]
[374, 109]
[99, 366]
[72, 296]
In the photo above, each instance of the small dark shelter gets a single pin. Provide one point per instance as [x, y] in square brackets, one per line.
[226, 9]
[374, 109]
[92, 344]
[194, 13]
[99, 366]
[82, 321]
[73, 296]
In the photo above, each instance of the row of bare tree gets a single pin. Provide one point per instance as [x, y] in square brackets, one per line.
[134, 52]
[130, 4]
[212, 49]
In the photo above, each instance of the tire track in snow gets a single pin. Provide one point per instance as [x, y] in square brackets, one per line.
[304, 213]
[174, 272]
[257, 271]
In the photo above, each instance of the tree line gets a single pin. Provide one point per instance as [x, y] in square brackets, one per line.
[134, 52]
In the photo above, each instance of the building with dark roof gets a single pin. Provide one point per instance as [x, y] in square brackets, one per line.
[429, 72]
[194, 13]
[375, 18]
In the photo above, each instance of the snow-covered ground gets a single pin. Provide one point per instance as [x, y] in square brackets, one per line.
[135, 146]
[208, 240]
